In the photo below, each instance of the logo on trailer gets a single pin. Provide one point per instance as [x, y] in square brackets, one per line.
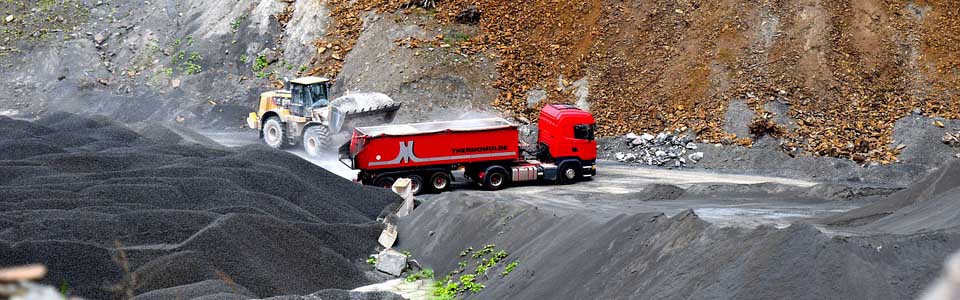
[406, 156]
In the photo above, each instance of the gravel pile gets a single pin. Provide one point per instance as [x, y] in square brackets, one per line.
[664, 149]
[652, 256]
[97, 202]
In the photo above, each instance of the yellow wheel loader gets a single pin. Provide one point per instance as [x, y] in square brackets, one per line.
[301, 113]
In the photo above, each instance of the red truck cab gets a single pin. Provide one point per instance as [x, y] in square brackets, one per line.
[567, 132]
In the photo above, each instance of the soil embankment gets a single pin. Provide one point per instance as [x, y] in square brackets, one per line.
[114, 213]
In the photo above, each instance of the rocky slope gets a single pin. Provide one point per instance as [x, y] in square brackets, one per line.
[823, 78]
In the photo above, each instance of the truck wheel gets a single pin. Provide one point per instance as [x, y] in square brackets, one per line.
[384, 182]
[495, 178]
[416, 184]
[568, 174]
[274, 133]
[440, 181]
[315, 139]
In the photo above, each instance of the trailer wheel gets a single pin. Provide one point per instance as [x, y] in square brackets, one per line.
[315, 140]
[416, 184]
[274, 133]
[440, 181]
[568, 173]
[384, 182]
[495, 178]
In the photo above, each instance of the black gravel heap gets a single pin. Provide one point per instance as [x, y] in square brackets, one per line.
[114, 213]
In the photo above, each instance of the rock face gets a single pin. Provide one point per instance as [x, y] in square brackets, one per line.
[391, 262]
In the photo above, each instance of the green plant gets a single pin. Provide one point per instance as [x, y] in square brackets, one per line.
[64, 288]
[422, 274]
[372, 260]
[235, 24]
[191, 65]
[483, 252]
[509, 268]
[243, 58]
[451, 289]
[260, 63]
[407, 253]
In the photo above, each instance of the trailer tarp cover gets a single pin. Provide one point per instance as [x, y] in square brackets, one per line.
[432, 127]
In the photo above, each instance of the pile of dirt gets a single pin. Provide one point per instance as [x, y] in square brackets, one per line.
[113, 213]
[929, 205]
[652, 256]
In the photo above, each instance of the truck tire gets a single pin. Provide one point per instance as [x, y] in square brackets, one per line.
[495, 178]
[384, 182]
[274, 133]
[440, 181]
[569, 173]
[315, 140]
[416, 184]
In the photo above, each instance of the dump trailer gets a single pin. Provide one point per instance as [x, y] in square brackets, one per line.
[489, 151]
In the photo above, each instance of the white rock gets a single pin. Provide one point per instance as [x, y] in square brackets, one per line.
[620, 156]
[646, 137]
[661, 136]
[391, 262]
[637, 142]
[630, 157]
[660, 153]
[9, 18]
[631, 136]
[691, 146]
[695, 157]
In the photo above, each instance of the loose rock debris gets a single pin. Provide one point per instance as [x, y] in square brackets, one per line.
[664, 149]
[668, 65]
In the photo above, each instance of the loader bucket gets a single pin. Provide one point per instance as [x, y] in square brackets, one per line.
[366, 109]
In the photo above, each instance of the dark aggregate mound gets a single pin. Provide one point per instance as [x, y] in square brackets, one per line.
[651, 256]
[90, 199]
[933, 203]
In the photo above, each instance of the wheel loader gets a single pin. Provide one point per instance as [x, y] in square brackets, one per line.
[302, 113]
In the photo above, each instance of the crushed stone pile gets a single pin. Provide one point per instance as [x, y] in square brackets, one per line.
[654, 256]
[932, 204]
[113, 213]
[664, 149]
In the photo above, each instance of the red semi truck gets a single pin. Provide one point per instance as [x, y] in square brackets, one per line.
[488, 150]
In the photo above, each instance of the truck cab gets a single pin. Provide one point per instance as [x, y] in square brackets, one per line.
[567, 132]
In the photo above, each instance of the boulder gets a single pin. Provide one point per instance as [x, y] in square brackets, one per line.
[391, 262]
[695, 157]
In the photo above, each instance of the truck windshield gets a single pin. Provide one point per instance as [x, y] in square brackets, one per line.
[583, 132]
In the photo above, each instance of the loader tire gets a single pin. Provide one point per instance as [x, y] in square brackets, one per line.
[315, 140]
[274, 133]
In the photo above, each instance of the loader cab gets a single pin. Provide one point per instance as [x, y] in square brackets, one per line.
[565, 131]
[310, 92]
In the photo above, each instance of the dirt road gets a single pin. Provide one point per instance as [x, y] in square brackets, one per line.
[723, 199]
